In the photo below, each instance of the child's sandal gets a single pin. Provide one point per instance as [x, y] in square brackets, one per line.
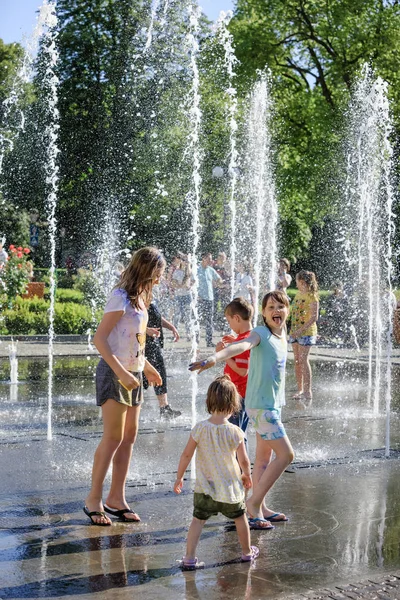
[190, 564]
[254, 553]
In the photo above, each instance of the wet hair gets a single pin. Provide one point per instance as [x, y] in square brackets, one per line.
[137, 279]
[276, 295]
[309, 279]
[222, 396]
[240, 306]
[285, 262]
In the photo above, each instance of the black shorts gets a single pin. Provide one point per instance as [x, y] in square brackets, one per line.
[109, 388]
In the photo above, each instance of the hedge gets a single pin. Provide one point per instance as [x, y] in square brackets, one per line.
[31, 317]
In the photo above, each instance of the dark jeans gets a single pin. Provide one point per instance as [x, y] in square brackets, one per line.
[206, 315]
[241, 420]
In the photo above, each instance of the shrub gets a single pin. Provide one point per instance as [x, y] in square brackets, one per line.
[69, 295]
[14, 275]
[72, 318]
[31, 317]
[87, 283]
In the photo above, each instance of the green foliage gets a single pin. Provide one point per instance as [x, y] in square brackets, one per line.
[10, 59]
[68, 295]
[14, 223]
[14, 274]
[31, 317]
[314, 51]
[88, 284]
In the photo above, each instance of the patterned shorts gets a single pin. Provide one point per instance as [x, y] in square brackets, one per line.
[267, 422]
[304, 340]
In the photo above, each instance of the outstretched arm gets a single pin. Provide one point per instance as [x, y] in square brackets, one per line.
[229, 352]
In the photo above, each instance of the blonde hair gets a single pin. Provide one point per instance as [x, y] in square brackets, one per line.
[310, 280]
[138, 278]
[222, 396]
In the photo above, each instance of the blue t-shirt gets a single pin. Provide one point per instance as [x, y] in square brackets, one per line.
[266, 382]
[206, 277]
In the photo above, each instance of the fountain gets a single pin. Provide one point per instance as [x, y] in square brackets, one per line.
[258, 212]
[367, 229]
[226, 40]
[251, 198]
[12, 353]
[193, 196]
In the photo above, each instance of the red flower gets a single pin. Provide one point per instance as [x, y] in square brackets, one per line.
[11, 247]
[27, 251]
[19, 266]
[19, 254]
[19, 248]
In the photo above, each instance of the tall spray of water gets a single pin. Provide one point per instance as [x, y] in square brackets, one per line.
[226, 40]
[193, 151]
[13, 118]
[149, 38]
[368, 228]
[258, 216]
[50, 85]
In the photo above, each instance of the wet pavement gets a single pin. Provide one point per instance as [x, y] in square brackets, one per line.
[341, 494]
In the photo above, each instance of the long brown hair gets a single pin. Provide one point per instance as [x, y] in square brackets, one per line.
[310, 280]
[138, 278]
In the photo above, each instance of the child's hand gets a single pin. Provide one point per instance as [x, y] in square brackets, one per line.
[178, 485]
[247, 482]
[175, 333]
[129, 381]
[153, 332]
[153, 376]
[220, 346]
[228, 339]
[203, 365]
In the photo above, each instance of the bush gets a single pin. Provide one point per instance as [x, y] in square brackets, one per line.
[68, 295]
[88, 283]
[22, 321]
[72, 318]
[31, 317]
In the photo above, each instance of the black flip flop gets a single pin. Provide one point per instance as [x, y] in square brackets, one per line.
[120, 514]
[95, 513]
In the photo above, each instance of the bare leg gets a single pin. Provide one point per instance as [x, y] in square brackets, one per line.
[243, 531]
[114, 415]
[258, 470]
[116, 497]
[297, 368]
[162, 400]
[283, 457]
[303, 355]
[194, 533]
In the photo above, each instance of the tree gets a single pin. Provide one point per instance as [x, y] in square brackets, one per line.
[314, 50]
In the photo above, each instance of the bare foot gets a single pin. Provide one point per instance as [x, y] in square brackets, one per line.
[298, 395]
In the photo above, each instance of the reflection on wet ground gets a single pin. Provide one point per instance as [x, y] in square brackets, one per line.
[344, 515]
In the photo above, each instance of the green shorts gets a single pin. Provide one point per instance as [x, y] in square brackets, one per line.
[205, 507]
